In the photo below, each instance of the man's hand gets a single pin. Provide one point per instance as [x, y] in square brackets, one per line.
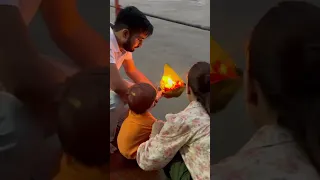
[73, 35]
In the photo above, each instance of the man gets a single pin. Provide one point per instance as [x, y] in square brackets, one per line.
[130, 29]
[24, 74]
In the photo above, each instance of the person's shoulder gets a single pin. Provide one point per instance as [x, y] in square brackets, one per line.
[128, 56]
[264, 164]
[187, 117]
[149, 120]
[113, 41]
[146, 119]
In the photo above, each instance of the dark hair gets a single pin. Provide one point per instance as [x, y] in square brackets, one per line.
[140, 97]
[199, 82]
[134, 20]
[284, 58]
[83, 126]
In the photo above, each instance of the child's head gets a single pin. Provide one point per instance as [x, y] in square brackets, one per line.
[141, 97]
[198, 87]
[84, 117]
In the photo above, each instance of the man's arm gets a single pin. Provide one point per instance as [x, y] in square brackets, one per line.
[117, 84]
[73, 35]
[22, 73]
[133, 73]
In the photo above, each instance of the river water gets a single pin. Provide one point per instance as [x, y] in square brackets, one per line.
[191, 11]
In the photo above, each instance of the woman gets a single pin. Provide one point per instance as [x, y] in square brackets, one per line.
[187, 132]
[283, 98]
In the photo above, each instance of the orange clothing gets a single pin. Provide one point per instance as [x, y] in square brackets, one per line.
[71, 170]
[135, 130]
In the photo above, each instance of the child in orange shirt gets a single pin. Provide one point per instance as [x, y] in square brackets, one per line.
[137, 127]
[83, 126]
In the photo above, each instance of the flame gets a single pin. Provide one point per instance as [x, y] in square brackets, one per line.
[171, 82]
[168, 82]
[222, 66]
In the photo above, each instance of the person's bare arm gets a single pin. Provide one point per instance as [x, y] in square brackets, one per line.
[73, 35]
[21, 71]
[117, 84]
[133, 73]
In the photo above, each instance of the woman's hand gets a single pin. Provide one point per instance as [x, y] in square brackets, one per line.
[156, 128]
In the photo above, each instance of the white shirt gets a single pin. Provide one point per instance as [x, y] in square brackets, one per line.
[116, 55]
[28, 8]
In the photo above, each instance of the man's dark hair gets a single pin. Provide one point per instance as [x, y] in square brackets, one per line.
[134, 20]
[84, 116]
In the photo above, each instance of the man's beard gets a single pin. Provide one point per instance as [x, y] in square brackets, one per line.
[128, 46]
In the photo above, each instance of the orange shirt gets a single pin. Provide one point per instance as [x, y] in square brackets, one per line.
[135, 130]
[70, 170]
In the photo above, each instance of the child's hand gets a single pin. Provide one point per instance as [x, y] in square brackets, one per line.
[156, 127]
[159, 96]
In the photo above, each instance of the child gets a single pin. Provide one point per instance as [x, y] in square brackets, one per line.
[84, 127]
[137, 127]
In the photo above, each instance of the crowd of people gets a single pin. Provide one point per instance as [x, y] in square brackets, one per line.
[55, 126]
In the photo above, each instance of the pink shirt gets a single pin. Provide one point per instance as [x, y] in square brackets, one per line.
[187, 132]
[271, 154]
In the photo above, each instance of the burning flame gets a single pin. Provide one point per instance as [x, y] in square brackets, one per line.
[222, 66]
[168, 82]
[171, 83]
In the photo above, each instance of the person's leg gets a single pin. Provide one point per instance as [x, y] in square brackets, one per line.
[116, 110]
[177, 170]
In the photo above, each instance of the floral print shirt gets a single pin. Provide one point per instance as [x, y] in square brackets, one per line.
[187, 132]
[271, 154]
